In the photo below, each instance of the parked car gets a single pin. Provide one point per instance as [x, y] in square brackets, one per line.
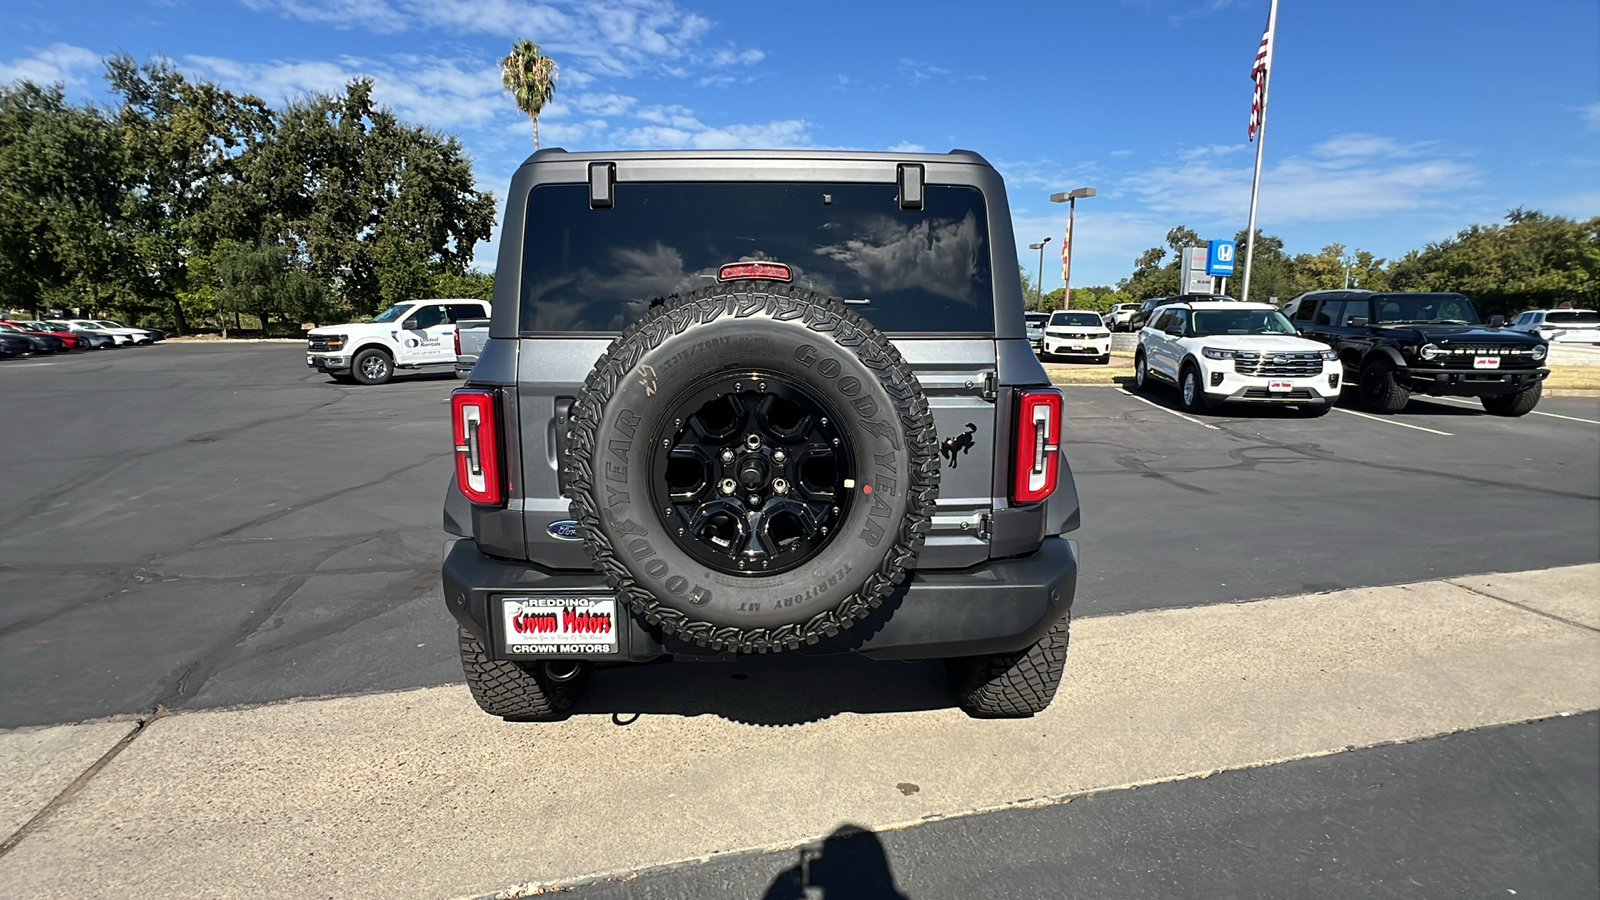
[1560, 326]
[743, 455]
[1140, 317]
[1076, 332]
[121, 333]
[68, 341]
[1392, 345]
[1035, 326]
[90, 340]
[42, 343]
[15, 345]
[1235, 353]
[416, 334]
[1120, 316]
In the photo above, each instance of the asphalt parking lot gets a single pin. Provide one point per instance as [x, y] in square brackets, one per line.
[209, 525]
[204, 526]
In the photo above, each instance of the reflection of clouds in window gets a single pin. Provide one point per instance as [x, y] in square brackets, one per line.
[935, 255]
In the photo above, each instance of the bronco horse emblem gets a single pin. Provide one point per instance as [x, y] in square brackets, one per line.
[961, 443]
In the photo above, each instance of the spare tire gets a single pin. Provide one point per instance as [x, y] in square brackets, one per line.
[752, 467]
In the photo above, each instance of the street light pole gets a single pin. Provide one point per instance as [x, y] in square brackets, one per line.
[1071, 199]
[1039, 285]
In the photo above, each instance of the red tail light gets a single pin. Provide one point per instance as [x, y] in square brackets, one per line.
[766, 271]
[1038, 445]
[475, 428]
[457, 335]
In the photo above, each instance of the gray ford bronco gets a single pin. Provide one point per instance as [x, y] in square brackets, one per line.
[738, 402]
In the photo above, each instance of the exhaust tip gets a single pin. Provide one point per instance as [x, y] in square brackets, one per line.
[563, 669]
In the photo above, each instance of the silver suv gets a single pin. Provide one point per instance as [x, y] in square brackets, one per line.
[753, 402]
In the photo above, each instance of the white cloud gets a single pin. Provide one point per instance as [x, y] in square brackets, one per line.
[58, 62]
[436, 92]
[603, 104]
[607, 37]
[1591, 116]
[1347, 177]
[1198, 12]
[678, 128]
[731, 57]
[907, 147]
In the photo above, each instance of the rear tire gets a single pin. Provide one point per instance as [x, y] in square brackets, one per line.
[512, 691]
[1380, 391]
[1104, 360]
[1518, 404]
[372, 366]
[1011, 685]
[1316, 412]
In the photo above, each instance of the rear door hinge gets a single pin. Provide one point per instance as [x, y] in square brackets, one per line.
[983, 527]
[991, 386]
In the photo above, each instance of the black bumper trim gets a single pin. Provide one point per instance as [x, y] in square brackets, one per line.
[996, 607]
[1470, 382]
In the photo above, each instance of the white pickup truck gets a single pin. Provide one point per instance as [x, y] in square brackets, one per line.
[416, 334]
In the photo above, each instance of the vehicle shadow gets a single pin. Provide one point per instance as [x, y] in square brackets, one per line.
[1427, 406]
[776, 689]
[850, 864]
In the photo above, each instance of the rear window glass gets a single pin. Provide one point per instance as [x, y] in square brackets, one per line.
[597, 270]
[1572, 317]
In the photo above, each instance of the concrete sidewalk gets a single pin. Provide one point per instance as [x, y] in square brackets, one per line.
[419, 794]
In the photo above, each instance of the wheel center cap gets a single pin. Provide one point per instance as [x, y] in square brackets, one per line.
[753, 472]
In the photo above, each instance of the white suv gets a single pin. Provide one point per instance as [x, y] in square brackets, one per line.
[1073, 332]
[1560, 326]
[1235, 353]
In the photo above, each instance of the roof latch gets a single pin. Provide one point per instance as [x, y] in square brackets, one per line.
[602, 185]
[910, 178]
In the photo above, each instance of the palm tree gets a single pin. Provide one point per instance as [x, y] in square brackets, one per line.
[531, 79]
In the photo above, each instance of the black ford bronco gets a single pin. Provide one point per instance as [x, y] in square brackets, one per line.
[1394, 345]
[752, 402]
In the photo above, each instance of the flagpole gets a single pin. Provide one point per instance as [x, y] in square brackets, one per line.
[1261, 138]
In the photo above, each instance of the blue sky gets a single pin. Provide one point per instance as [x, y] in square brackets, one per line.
[1392, 123]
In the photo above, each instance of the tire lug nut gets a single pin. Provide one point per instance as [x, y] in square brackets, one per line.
[778, 456]
[727, 486]
[754, 500]
[727, 456]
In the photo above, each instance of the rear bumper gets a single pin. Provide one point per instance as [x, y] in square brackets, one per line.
[996, 607]
[1471, 382]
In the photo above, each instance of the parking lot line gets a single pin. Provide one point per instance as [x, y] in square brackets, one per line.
[1392, 421]
[1531, 412]
[1186, 418]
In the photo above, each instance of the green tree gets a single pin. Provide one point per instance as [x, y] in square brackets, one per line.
[1533, 261]
[370, 204]
[263, 280]
[183, 142]
[465, 286]
[62, 238]
[530, 76]
[1272, 272]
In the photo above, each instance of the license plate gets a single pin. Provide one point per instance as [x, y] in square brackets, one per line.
[559, 625]
[1079, 347]
[1280, 387]
[1486, 362]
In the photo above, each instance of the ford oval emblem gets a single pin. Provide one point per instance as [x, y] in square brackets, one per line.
[565, 530]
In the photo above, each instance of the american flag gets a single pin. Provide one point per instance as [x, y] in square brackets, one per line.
[1258, 74]
[1066, 250]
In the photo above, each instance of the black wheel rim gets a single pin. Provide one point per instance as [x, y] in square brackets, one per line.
[752, 473]
[1371, 386]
